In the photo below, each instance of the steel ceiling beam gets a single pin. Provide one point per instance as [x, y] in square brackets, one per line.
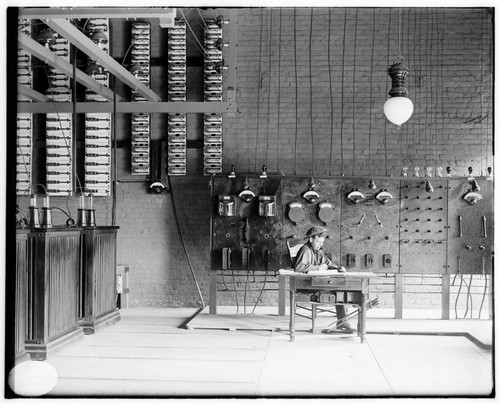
[95, 12]
[49, 57]
[32, 94]
[85, 44]
[126, 107]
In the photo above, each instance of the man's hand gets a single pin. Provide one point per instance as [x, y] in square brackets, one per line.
[322, 267]
[342, 269]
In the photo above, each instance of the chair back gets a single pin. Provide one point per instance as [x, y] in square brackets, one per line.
[293, 251]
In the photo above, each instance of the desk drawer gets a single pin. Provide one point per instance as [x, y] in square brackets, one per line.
[317, 281]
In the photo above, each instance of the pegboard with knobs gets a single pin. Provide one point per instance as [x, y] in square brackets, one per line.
[423, 227]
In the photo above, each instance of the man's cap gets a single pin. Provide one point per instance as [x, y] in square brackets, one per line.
[316, 230]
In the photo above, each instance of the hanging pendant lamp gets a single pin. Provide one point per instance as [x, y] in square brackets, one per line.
[399, 108]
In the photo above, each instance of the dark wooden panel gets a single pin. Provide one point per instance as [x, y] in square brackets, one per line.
[370, 228]
[469, 245]
[21, 307]
[247, 229]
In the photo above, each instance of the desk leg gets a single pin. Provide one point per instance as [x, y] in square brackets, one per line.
[362, 317]
[292, 315]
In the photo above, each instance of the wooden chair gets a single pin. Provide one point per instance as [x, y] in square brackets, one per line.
[309, 307]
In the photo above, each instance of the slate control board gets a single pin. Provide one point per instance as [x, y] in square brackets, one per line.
[246, 224]
[307, 204]
[370, 225]
[423, 226]
[470, 236]
[400, 225]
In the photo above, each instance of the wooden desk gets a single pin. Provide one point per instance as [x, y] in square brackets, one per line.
[349, 287]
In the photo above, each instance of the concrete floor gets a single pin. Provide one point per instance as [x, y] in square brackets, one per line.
[146, 354]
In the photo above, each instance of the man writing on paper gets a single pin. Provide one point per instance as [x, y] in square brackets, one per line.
[312, 258]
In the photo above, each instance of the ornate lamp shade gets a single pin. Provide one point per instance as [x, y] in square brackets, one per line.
[399, 108]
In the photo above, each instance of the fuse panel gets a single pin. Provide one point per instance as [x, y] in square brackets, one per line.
[141, 126]
[423, 226]
[246, 224]
[309, 203]
[370, 225]
[24, 131]
[98, 125]
[471, 231]
[212, 123]
[59, 127]
[177, 75]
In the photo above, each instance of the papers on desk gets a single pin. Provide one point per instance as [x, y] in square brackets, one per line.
[330, 273]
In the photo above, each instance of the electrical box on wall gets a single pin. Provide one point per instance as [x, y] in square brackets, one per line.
[369, 224]
[246, 219]
[471, 228]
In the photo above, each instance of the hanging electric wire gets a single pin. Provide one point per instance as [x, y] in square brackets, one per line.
[259, 84]
[279, 98]
[269, 69]
[183, 242]
[484, 295]
[354, 92]
[387, 85]
[311, 91]
[261, 291]
[342, 97]
[370, 102]
[296, 90]
[330, 87]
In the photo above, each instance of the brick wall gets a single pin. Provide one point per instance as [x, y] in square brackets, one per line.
[311, 85]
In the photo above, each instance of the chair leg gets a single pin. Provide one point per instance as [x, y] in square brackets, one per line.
[313, 317]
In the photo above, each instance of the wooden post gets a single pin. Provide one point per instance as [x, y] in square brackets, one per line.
[445, 297]
[281, 295]
[213, 292]
[398, 296]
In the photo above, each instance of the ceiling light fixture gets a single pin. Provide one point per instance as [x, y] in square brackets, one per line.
[399, 108]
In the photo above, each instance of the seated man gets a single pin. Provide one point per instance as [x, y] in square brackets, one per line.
[312, 258]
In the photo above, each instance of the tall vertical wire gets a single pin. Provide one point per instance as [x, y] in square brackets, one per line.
[269, 69]
[427, 40]
[370, 104]
[279, 98]
[386, 86]
[435, 89]
[481, 93]
[258, 89]
[310, 91]
[342, 97]
[296, 89]
[441, 64]
[421, 90]
[354, 92]
[414, 53]
[331, 90]
[490, 126]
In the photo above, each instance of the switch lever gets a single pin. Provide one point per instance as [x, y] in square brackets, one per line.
[484, 226]
[459, 226]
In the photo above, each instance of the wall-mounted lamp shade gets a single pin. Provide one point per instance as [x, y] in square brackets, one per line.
[94, 68]
[135, 69]
[100, 38]
[399, 108]
[46, 37]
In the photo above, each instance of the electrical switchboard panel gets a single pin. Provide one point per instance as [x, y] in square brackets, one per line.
[470, 234]
[98, 125]
[246, 223]
[306, 203]
[24, 121]
[370, 225]
[59, 127]
[423, 225]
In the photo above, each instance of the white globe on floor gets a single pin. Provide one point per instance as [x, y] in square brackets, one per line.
[32, 378]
